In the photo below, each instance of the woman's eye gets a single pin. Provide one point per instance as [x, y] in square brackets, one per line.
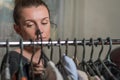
[44, 23]
[30, 25]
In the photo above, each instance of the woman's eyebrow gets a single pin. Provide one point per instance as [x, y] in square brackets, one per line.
[45, 18]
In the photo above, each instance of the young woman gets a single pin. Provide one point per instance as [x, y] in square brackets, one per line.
[30, 16]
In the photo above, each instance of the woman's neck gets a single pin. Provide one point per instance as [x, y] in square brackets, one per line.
[29, 51]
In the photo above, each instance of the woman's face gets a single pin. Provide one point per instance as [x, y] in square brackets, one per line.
[33, 19]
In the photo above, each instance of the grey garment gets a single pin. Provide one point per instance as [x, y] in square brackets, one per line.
[52, 73]
[82, 75]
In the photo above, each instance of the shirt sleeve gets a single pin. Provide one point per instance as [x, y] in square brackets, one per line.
[13, 63]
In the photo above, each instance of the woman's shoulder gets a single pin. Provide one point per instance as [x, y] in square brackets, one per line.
[13, 58]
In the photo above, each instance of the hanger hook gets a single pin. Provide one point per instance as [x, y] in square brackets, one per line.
[21, 46]
[41, 47]
[66, 42]
[83, 44]
[7, 45]
[75, 44]
[102, 46]
[92, 48]
[59, 49]
[51, 53]
[110, 47]
[7, 50]
[33, 53]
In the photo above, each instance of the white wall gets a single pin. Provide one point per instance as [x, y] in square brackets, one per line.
[102, 18]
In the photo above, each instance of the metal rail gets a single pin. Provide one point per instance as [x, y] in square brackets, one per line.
[56, 43]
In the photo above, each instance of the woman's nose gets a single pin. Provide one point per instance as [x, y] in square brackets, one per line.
[38, 32]
[40, 28]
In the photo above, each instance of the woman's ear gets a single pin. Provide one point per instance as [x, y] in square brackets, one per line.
[17, 29]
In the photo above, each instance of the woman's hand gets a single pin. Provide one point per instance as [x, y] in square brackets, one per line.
[38, 68]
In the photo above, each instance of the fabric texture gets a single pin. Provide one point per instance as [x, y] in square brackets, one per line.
[52, 73]
[70, 67]
[82, 75]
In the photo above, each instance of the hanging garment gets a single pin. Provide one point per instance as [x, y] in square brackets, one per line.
[70, 67]
[82, 75]
[115, 70]
[52, 73]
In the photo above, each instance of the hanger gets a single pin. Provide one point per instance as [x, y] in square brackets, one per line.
[84, 65]
[38, 32]
[109, 51]
[59, 64]
[51, 52]
[7, 50]
[31, 74]
[91, 62]
[60, 54]
[75, 52]
[20, 72]
[66, 43]
[5, 75]
[101, 62]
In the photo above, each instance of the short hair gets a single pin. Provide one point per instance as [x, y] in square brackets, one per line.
[19, 4]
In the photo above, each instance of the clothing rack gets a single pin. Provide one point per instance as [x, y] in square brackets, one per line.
[97, 67]
[58, 42]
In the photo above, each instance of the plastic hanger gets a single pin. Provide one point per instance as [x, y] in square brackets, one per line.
[66, 50]
[39, 33]
[83, 65]
[101, 62]
[31, 74]
[75, 52]
[60, 53]
[91, 62]
[110, 48]
[5, 75]
[59, 64]
[51, 52]
[20, 72]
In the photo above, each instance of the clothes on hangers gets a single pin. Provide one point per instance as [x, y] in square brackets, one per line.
[70, 67]
[52, 73]
[66, 69]
[115, 70]
[82, 75]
